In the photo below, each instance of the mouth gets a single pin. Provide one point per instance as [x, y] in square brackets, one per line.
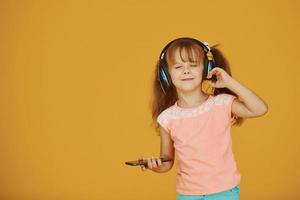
[187, 79]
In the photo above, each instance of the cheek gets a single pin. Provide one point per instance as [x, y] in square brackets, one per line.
[198, 72]
[174, 77]
[174, 74]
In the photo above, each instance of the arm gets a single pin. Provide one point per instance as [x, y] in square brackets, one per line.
[248, 104]
[166, 150]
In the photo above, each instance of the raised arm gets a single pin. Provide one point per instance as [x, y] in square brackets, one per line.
[248, 103]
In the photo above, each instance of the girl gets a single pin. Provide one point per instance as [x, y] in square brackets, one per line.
[195, 122]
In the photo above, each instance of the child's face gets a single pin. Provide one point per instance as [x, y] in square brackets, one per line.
[186, 76]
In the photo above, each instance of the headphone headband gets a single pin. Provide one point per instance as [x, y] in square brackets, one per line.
[203, 44]
[162, 73]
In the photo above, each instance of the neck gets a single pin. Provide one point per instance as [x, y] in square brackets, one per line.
[191, 99]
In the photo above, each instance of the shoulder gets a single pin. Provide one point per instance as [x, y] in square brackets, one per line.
[166, 114]
[164, 118]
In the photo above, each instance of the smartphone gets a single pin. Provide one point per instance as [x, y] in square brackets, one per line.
[144, 162]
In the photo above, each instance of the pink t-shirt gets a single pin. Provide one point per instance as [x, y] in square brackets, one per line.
[202, 141]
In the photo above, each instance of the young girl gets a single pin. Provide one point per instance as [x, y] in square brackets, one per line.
[196, 123]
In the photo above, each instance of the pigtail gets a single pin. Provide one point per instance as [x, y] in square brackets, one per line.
[161, 101]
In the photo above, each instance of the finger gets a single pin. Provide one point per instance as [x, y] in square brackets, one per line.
[212, 72]
[158, 160]
[149, 163]
[140, 158]
[212, 84]
[154, 164]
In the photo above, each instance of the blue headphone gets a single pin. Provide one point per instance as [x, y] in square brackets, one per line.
[163, 74]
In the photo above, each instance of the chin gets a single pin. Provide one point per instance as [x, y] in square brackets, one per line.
[188, 89]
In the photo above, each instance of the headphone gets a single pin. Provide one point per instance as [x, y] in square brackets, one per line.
[163, 74]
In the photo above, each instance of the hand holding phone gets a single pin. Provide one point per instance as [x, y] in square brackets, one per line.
[144, 162]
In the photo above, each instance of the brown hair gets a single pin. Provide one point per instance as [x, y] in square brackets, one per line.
[161, 101]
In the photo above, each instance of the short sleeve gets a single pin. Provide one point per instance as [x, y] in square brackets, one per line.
[228, 104]
[164, 120]
[227, 100]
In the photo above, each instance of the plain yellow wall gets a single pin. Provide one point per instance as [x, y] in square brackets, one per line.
[75, 86]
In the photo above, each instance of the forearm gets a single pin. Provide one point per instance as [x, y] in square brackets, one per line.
[252, 101]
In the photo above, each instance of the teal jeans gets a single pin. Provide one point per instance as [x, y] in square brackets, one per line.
[231, 194]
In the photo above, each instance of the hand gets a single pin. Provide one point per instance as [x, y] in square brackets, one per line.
[223, 78]
[152, 163]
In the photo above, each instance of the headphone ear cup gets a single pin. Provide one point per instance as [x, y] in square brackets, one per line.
[163, 77]
[205, 69]
[208, 66]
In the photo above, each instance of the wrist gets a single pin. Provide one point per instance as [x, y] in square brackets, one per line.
[230, 84]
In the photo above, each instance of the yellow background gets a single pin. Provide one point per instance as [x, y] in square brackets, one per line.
[75, 86]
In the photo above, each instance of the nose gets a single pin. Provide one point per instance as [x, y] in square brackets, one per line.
[186, 70]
